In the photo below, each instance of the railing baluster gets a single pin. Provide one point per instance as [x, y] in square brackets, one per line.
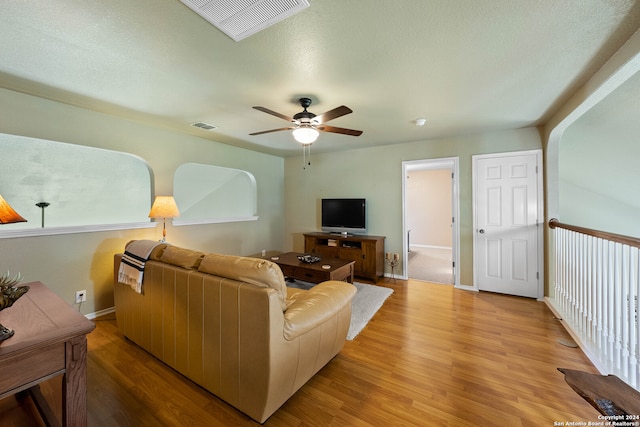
[597, 307]
[596, 291]
[575, 278]
[564, 280]
[617, 306]
[597, 294]
[591, 307]
[625, 319]
[631, 312]
[581, 244]
[604, 294]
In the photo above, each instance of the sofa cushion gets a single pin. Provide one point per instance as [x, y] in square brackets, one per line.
[255, 271]
[185, 258]
[157, 252]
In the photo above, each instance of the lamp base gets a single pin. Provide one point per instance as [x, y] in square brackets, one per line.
[5, 333]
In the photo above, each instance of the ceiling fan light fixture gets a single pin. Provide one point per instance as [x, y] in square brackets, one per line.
[305, 135]
[306, 126]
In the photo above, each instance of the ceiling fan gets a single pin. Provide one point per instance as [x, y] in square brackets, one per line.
[306, 125]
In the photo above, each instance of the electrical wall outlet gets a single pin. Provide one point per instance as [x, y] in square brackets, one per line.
[81, 296]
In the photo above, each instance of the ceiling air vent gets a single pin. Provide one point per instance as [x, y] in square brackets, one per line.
[241, 18]
[203, 125]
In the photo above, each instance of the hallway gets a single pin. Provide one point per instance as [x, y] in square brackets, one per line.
[431, 264]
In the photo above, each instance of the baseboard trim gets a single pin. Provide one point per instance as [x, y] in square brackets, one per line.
[469, 288]
[550, 302]
[99, 313]
[429, 247]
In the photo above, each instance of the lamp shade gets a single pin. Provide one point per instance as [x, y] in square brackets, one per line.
[164, 207]
[7, 214]
[305, 135]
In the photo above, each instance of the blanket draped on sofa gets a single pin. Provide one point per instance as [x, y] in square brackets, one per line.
[131, 270]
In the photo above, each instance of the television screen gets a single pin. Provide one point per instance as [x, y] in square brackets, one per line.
[344, 215]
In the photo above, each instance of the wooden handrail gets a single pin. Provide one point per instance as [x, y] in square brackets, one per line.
[619, 238]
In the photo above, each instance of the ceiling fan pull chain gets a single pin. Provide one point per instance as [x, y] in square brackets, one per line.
[306, 162]
[304, 157]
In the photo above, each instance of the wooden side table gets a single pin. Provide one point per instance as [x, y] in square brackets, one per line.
[607, 393]
[50, 340]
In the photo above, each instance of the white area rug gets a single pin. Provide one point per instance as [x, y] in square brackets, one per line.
[366, 302]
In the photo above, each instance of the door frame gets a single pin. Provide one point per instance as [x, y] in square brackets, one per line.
[540, 213]
[451, 163]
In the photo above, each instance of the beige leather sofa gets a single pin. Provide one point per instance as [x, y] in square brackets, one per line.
[231, 325]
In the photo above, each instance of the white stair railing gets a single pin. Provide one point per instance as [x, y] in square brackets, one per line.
[597, 281]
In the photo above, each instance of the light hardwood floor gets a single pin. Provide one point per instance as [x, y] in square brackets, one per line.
[432, 356]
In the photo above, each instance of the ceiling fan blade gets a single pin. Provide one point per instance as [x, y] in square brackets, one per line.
[273, 113]
[343, 131]
[272, 130]
[333, 114]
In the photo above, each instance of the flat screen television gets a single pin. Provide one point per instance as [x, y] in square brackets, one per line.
[345, 216]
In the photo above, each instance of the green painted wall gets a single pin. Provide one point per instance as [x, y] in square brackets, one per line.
[288, 196]
[376, 174]
[67, 263]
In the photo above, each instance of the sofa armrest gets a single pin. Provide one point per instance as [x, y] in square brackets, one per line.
[315, 306]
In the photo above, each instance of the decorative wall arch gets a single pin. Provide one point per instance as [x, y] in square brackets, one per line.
[620, 68]
[84, 186]
[211, 194]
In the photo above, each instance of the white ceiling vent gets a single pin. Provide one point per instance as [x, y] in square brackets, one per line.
[203, 125]
[241, 18]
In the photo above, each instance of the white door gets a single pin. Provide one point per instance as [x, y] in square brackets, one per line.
[507, 238]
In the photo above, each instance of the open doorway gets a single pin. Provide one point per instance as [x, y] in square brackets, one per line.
[430, 210]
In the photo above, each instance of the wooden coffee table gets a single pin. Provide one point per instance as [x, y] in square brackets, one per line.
[323, 270]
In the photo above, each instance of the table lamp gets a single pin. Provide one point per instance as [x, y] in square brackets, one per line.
[9, 292]
[7, 214]
[164, 207]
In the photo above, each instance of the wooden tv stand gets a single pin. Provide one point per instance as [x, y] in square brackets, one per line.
[366, 251]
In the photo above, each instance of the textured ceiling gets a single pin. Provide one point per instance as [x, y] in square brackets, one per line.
[466, 65]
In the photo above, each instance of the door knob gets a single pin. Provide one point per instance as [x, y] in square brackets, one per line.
[481, 231]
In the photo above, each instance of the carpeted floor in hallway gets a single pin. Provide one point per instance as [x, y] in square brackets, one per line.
[431, 265]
